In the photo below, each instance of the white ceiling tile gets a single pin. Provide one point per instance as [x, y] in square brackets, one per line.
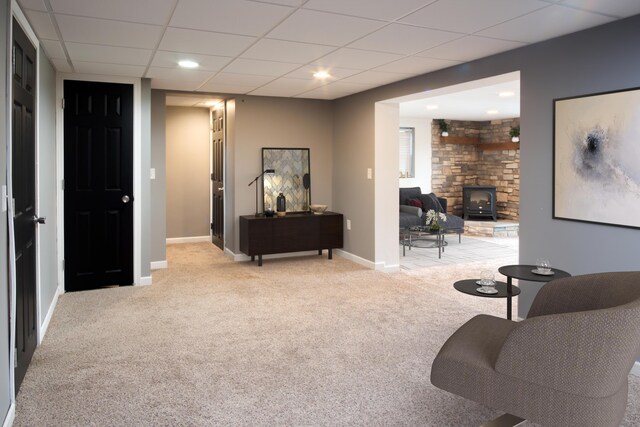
[179, 74]
[356, 58]
[195, 100]
[544, 24]
[284, 51]
[108, 69]
[307, 72]
[171, 84]
[263, 68]
[470, 16]
[42, 24]
[180, 40]
[143, 11]
[115, 33]
[294, 3]
[620, 8]
[112, 54]
[415, 65]
[206, 62]
[226, 88]
[327, 92]
[384, 10]
[469, 48]
[323, 28]
[286, 87]
[54, 49]
[236, 17]
[62, 65]
[240, 79]
[398, 38]
[376, 77]
[33, 4]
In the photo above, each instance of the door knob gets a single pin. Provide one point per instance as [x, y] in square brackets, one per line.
[39, 220]
[125, 199]
[220, 188]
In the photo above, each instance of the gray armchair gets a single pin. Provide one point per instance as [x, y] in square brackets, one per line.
[565, 365]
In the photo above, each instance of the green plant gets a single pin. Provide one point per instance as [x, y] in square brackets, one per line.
[444, 127]
[515, 131]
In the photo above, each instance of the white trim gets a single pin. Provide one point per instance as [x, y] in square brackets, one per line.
[358, 260]
[24, 23]
[11, 415]
[157, 265]
[47, 319]
[137, 172]
[636, 369]
[145, 281]
[229, 253]
[194, 239]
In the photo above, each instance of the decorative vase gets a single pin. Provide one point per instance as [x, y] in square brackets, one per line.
[281, 203]
[515, 139]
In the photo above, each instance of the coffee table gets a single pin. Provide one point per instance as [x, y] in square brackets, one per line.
[469, 287]
[421, 232]
[523, 272]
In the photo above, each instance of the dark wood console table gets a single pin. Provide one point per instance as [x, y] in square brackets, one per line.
[294, 232]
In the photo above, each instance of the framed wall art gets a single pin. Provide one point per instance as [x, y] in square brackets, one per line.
[597, 158]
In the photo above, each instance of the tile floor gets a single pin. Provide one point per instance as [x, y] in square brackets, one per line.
[472, 248]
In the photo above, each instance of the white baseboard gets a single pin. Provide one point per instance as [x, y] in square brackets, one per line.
[229, 253]
[195, 239]
[145, 281]
[157, 265]
[47, 319]
[636, 369]
[11, 415]
[358, 260]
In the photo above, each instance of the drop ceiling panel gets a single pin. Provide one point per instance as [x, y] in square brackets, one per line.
[115, 33]
[240, 79]
[207, 62]
[180, 40]
[236, 17]
[384, 10]
[323, 28]
[328, 92]
[33, 4]
[469, 48]
[376, 77]
[179, 74]
[287, 87]
[189, 100]
[226, 88]
[618, 8]
[62, 65]
[285, 51]
[307, 72]
[356, 58]
[42, 24]
[546, 23]
[172, 84]
[416, 65]
[142, 11]
[108, 69]
[263, 68]
[470, 16]
[397, 38]
[108, 54]
[53, 49]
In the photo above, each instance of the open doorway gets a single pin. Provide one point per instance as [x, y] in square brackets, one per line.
[463, 153]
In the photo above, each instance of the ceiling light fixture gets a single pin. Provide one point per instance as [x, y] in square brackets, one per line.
[322, 75]
[188, 64]
[492, 111]
[506, 94]
[432, 107]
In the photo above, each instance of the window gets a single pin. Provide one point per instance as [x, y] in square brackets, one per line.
[407, 153]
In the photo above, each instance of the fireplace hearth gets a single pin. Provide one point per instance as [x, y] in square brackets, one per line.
[479, 201]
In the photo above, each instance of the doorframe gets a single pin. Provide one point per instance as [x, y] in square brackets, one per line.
[137, 171]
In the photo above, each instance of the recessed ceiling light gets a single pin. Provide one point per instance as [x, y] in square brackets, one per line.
[492, 111]
[188, 64]
[432, 107]
[322, 75]
[506, 94]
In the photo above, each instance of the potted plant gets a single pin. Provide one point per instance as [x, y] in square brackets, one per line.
[515, 133]
[444, 127]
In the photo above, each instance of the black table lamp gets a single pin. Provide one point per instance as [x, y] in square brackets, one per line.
[267, 171]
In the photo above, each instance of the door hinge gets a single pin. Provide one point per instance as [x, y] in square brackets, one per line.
[211, 177]
[63, 185]
[15, 358]
[212, 226]
[62, 265]
[63, 103]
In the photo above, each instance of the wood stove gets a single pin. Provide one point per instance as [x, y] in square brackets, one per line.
[479, 201]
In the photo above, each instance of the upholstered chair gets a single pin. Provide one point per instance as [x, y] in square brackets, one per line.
[567, 364]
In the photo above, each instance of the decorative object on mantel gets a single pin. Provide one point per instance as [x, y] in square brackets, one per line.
[515, 134]
[266, 171]
[318, 209]
[444, 127]
[281, 205]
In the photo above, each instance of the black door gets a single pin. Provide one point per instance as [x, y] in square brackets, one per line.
[217, 177]
[24, 195]
[98, 184]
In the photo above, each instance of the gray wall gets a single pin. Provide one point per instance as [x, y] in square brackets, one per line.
[275, 122]
[47, 206]
[600, 59]
[187, 184]
[158, 202]
[145, 183]
[5, 369]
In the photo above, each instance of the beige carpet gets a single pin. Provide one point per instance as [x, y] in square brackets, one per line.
[300, 341]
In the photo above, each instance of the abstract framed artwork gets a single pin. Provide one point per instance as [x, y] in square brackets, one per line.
[596, 158]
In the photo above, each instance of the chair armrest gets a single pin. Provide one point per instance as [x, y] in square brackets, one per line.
[443, 203]
[588, 353]
[414, 210]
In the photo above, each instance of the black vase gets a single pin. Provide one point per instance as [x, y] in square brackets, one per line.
[281, 203]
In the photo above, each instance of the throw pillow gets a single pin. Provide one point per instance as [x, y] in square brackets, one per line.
[429, 201]
[415, 202]
[437, 202]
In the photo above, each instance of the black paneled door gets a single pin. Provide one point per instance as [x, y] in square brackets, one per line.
[217, 177]
[23, 164]
[98, 184]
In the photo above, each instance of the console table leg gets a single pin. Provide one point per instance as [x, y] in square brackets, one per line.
[253, 258]
[330, 253]
[259, 260]
[319, 251]
[509, 293]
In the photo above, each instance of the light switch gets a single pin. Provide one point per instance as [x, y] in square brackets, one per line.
[153, 173]
[369, 173]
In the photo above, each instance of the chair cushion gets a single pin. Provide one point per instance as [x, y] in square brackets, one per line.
[453, 222]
